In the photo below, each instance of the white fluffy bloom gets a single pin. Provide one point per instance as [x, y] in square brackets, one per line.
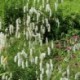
[49, 50]
[48, 9]
[47, 22]
[41, 76]
[24, 53]
[36, 60]
[20, 59]
[40, 7]
[15, 58]
[38, 16]
[39, 36]
[77, 76]
[42, 56]
[36, 28]
[18, 35]
[42, 70]
[68, 71]
[23, 65]
[3, 77]
[11, 28]
[32, 25]
[18, 21]
[49, 27]
[64, 78]
[46, 41]
[10, 75]
[31, 56]
[48, 71]
[47, 66]
[24, 9]
[76, 47]
[51, 64]
[19, 62]
[40, 64]
[32, 10]
[26, 63]
[28, 20]
[36, 72]
[43, 20]
[2, 40]
[42, 29]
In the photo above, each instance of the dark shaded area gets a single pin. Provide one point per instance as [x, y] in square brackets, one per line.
[67, 24]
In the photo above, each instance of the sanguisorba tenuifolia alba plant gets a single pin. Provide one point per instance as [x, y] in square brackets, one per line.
[29, 54]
